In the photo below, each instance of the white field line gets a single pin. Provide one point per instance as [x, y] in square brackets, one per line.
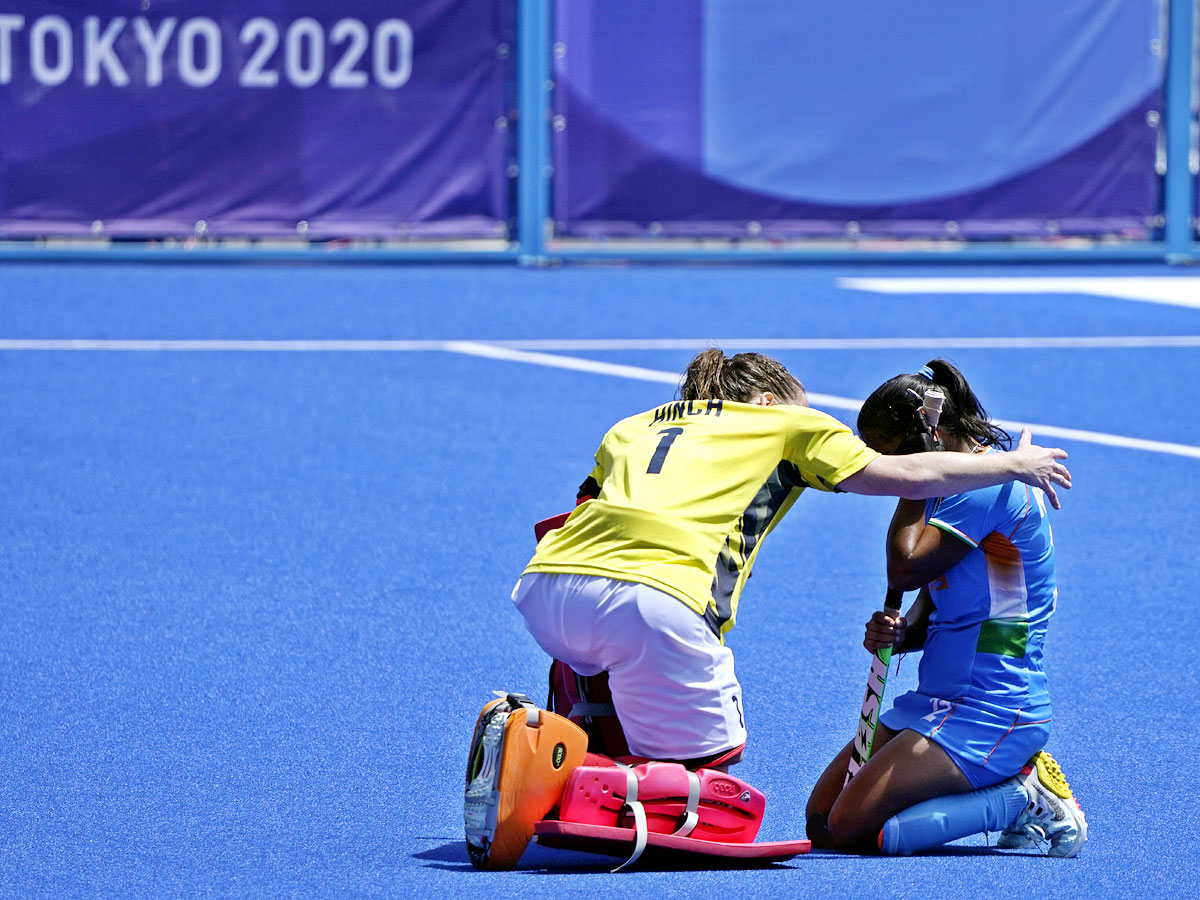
[507, 352]
[602, 368]
[888, 343]
[1171, 290]
[491, 351]
[1098, 437]
[583, 344]
[266, 346]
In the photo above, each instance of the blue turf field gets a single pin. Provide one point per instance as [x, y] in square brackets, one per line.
[254, 598]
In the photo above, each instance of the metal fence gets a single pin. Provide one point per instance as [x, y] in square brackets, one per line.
[532, 238]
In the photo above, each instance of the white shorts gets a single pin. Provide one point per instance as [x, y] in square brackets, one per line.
[671, 679]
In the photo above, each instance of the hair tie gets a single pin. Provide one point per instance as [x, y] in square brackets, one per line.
[926, 371]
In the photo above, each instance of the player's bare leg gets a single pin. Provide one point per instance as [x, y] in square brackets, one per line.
[829, 786]
[905, 769]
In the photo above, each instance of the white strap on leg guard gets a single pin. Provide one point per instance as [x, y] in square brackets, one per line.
[640, 830]
[691, 816]
[533, 712]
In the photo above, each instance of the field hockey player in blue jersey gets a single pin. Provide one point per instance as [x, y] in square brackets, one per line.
[963, 753]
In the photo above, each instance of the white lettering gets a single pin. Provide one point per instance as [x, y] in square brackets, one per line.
[345, 74]
[939, 707]
[305, 58]
[39, 50]
[120, 50]
[98, 52]
[205, 33]
[8, 24]
[154, 45]
[255, 74]
[392, 70]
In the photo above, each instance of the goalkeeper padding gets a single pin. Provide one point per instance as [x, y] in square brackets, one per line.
[517, 767]
[529, 774]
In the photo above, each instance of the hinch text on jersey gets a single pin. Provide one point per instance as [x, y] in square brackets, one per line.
[670, 412]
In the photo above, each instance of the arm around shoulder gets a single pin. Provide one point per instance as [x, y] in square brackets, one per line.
[939, 474]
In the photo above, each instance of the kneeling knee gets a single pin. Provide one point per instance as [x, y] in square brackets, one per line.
[816, 828]
[850, 834]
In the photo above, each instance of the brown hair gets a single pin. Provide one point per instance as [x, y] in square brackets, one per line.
[711, 375]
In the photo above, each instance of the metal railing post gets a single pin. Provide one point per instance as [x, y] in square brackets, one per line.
[1180, 183]
[533, 186]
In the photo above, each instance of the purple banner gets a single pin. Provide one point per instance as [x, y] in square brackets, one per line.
[793, 119]
[319, 118]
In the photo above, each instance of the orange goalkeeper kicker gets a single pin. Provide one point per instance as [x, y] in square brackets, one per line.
[517, 767]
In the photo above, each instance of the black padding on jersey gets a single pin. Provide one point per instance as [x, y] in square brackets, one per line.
[789, 475]
[589, 490]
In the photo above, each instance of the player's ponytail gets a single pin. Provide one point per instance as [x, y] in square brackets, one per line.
[711, 375]
[893, 409]
[702, 378]
[963, 415]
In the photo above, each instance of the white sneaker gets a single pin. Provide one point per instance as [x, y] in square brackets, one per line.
[1052, 814]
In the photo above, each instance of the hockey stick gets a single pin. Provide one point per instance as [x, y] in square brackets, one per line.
[868, 719]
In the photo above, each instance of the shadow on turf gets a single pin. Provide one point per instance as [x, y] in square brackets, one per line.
[452, 856]
[546, 861]
[537, 860]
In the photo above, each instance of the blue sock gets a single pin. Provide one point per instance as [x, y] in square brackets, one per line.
[944, 819]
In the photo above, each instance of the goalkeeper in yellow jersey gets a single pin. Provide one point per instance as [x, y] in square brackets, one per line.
[642, 579]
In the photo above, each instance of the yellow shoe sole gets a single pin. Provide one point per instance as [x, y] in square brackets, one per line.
[1050, 774]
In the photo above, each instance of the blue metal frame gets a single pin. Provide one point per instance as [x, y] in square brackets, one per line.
[1180, 182]
[534, 245]
[1140, 251]
[534, 85]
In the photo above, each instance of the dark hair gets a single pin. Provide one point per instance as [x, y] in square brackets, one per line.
[892, 410]
[711, 375]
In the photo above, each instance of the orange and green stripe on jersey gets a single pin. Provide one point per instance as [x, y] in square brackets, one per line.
[987, 632]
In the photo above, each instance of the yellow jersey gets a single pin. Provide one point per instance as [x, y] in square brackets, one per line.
[685, 493]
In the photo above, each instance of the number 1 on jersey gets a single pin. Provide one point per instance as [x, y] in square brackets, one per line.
[660, 453]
